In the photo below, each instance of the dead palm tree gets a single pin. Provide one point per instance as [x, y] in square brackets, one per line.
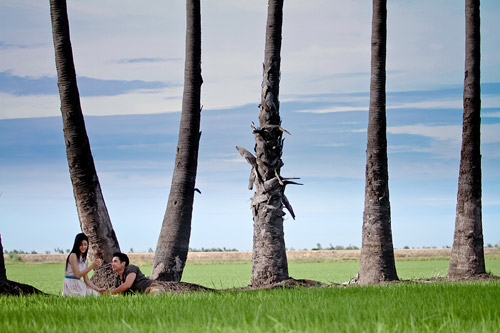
[269, 261]
[173, 242]
[377, 254]
[92, 211]
[467, 254]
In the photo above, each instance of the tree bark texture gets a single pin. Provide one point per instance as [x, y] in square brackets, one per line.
[269, 261]
[3, 272]
[92, 211]
[377, 254]
[467, 255]
[173, 243]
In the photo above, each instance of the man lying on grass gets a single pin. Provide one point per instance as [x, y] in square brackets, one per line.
[129, 278]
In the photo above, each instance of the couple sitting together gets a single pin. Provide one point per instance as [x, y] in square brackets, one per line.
[129, 278]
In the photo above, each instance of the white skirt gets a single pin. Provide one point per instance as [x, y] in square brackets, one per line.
[76, 287]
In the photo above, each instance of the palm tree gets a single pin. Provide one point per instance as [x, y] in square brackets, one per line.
[377, 254]
[467, 255]
[173, 242]
[8, 287]
[269, 261]
[3, 272]
[92, 211]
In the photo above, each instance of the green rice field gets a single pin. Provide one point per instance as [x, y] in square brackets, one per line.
[399, 307]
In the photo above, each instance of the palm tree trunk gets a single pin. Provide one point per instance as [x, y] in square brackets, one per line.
[92, 211]
[377, 254]
[467, 255]
[173, 243]
[8, 287]
[3, 272]
[269, 261]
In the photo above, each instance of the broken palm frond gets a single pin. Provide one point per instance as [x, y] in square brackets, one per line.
[247, 156]
[288, 206]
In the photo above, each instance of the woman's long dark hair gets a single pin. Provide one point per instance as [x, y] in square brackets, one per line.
[76, 247]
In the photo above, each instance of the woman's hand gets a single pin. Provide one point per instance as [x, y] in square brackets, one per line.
[97, 263]
[103, 291]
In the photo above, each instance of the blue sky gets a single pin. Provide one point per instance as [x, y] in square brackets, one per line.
[130, 57]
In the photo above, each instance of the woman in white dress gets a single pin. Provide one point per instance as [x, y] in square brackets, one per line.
[76, 268]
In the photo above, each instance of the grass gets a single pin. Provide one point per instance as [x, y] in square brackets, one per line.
[410, 307]
[400, 307]
[49, 277]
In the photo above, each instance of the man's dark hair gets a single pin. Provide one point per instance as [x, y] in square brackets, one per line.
[122, 256]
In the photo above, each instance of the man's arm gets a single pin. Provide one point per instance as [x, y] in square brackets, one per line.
[129, 281]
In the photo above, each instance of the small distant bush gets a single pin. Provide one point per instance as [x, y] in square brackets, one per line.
[318, 247]
[341, 247]
[14, 256]
[58, 250]
[212, 249]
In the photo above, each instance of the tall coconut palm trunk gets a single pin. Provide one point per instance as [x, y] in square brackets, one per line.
[92, 211]
[467, 254]
[377, 254]
[269, 261]
[173, 243]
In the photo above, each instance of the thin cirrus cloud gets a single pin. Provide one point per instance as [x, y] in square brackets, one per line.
[146, 60]
[450, 133]
[438, 104]
[5, 46]
[88, 87]
[445, 98]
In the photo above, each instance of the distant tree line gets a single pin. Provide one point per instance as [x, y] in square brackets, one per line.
[12, 255]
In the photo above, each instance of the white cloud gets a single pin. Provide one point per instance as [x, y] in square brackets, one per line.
[334, 145]
[442, 133]
[133, 103]
[322, 45]
[164, 101]
[490, 101]
[491, 115]
[408, 149]
[36, 61]
[429, 104]
[336, 109]
[29, 106]
[491, 202]
[490, 133]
